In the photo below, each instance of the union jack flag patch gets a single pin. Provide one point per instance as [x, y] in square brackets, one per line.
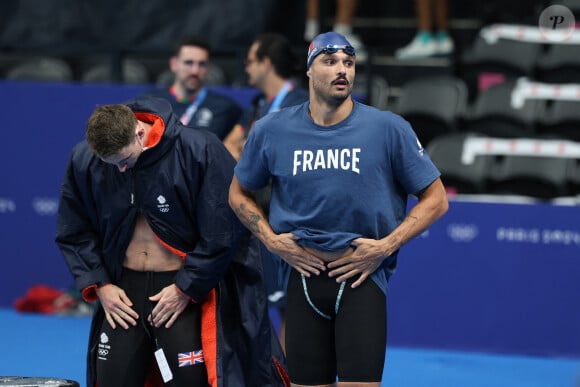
[190, 358]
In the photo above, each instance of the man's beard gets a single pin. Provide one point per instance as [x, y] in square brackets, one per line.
[192, 86]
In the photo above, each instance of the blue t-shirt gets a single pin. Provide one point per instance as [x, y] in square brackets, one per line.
[333, 184]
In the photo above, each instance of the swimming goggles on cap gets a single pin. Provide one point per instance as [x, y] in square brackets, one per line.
[333, 48]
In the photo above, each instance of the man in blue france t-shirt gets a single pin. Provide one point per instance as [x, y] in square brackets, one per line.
[341, 173]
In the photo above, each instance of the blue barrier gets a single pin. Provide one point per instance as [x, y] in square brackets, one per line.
[494, 277]
[488, 276]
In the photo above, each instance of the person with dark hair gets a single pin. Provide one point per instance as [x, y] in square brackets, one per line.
[145, 228]
[341, 173]
[270, 64]
[192, 101]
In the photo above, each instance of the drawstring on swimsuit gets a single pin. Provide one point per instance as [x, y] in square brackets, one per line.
[336, 305]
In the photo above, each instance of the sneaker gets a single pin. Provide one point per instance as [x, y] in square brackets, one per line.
[422, 46]
[444, 44]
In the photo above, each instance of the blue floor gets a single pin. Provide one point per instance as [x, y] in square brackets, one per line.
[429, 368]
[48, 346]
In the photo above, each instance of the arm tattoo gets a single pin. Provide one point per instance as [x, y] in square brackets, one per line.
[253, 223]
[250, 219]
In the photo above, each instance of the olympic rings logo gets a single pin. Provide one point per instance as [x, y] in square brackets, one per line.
[45, 206]
[7, 206]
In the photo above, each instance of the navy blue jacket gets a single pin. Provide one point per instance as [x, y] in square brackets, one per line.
[181, 187]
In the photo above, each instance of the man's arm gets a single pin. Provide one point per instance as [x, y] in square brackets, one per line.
[284, 245]
[370, 253]
[432, 205]
[76, 235]
[234, 141]
[80, 245]
[244, 204]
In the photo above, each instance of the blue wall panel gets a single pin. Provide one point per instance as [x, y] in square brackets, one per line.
[488, 276]
[491, 276]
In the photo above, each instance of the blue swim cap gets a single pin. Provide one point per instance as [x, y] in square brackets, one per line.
[328, 42]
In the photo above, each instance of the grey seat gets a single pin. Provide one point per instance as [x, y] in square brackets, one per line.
[492, 113]
[445, 151]
[573, 6]
[133, 72]
[512, 59]
[165, 78]
[376, 91]
[41, 69]
[510, 55]
[433, 105]
[539, 177]
[562, 120]
[559, 64]
[573, 176]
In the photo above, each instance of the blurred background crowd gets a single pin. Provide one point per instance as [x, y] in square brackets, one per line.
[426, 60]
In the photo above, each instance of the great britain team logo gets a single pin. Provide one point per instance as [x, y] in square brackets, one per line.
[104, 347]
[162, 204]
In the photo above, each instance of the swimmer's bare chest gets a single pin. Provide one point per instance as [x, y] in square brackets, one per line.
[146, 253]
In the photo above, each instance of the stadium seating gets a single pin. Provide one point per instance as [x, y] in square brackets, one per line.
[432, 105]
[41, 69]
[132, 72]
[493, 114]
[457, 176]
[562, 120]
[539, 177]
[559, 64]
[510, 58]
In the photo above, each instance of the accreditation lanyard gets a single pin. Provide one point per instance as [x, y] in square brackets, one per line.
[275, 106]
[192, 108]
[280, 97]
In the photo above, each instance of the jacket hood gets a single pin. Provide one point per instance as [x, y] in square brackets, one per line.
[162, 109]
